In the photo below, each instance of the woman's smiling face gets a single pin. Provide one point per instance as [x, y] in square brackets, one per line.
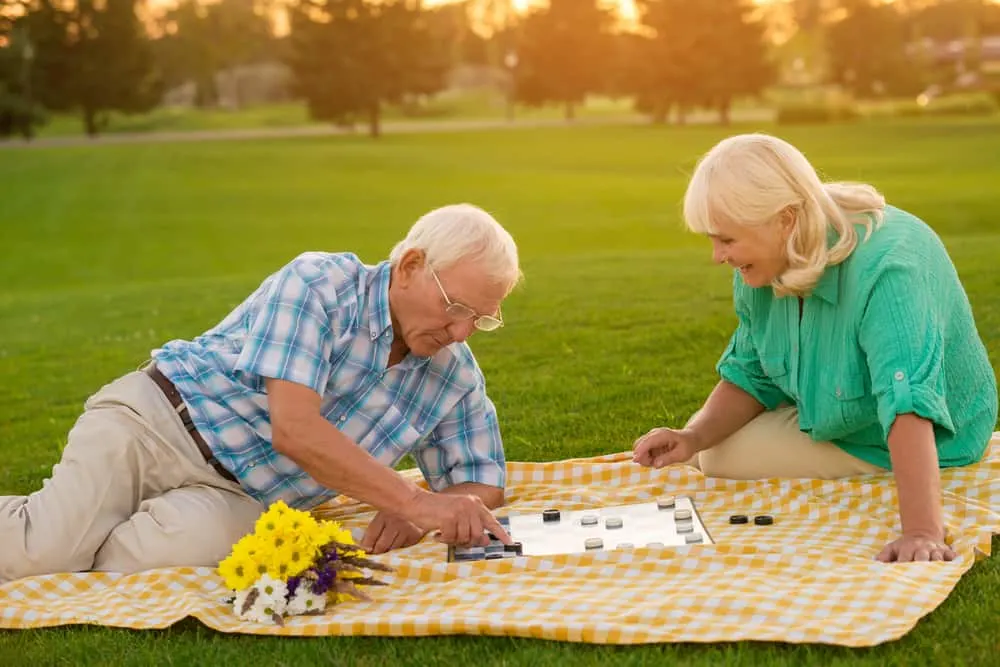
[756, 251]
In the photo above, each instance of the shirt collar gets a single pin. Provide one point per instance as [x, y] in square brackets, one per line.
[828, 286]
[379, 316]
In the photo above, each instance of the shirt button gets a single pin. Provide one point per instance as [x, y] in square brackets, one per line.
[899, 375]
[838, 391]
[341, 418]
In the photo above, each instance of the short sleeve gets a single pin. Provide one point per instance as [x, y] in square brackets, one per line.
[289, 333]
[740, 362]
[465, 446]
[902, 336]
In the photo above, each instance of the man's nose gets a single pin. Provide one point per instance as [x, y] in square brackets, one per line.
[718, 254]
[459, 331]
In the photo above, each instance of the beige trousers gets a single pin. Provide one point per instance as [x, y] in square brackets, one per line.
[772, 446]
[132, 492]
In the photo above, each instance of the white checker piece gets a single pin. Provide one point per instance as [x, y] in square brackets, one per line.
[642, 524]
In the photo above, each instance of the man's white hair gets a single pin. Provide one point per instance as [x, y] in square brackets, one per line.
[755, 179]
[455, 232]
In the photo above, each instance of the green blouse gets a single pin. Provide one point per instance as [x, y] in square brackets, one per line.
[888, 331]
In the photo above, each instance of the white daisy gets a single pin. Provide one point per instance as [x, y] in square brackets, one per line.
[264, 609]
[273, 588]
[305, 600]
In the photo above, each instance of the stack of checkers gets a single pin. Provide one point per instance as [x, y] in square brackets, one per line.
[492, 551]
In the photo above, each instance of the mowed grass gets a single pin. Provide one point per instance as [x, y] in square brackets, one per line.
[108, 251]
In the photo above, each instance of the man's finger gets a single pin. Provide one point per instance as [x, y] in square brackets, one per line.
[404, 538]
[491, 524]
[385, 540]
[372, 533]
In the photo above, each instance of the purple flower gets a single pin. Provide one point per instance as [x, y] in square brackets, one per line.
[293, 585]
[324, 580]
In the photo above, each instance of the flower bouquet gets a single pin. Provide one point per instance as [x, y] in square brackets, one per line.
[294, 565]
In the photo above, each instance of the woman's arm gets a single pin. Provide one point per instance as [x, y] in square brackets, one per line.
[913, 451]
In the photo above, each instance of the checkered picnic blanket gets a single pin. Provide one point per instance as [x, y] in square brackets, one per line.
[809, 577]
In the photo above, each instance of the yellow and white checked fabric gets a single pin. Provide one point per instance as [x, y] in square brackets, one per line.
[809, 577]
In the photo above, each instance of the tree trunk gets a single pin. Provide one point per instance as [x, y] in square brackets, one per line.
[681, 114]
[660, 112]
[570, 111]
[375, 120]
[724, 115]
[90, 121]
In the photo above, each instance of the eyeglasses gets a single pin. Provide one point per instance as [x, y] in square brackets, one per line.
[459, 311]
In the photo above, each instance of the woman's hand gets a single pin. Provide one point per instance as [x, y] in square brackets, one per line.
[910, 548]
[663, 446]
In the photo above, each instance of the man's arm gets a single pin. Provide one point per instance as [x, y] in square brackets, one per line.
[492, 496]
[331, 458]
[335, 461]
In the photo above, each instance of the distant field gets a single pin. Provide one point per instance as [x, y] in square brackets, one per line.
[111, 250]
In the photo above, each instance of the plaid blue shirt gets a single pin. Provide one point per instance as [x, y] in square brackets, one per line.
[323, 321]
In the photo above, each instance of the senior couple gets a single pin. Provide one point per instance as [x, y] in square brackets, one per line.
[855, 351]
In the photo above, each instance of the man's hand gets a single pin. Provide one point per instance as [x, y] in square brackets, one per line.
[388, 531]
[663, 446]
[461, 519]
[916, 548]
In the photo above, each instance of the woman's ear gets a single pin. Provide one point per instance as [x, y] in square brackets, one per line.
[788, 220]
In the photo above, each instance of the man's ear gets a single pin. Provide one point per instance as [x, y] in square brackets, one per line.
[409, 265]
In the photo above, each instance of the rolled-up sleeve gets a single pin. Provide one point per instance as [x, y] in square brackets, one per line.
[466, 446]
[740, 362]
[289, 335]
[902, 335]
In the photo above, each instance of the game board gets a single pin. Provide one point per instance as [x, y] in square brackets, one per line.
[662, 523]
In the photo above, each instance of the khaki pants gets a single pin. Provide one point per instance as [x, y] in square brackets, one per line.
[772, 446]
[132, 492]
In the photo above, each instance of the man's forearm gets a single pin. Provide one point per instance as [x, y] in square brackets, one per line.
[727, 409]
[492, 496]
[336, 462]
[913, 452]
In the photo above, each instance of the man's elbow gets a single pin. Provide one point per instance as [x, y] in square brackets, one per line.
[286, 438]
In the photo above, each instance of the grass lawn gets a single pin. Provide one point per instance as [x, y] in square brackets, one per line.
[111, 250]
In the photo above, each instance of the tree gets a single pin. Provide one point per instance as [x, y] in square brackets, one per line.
[92, 56]
[352, 57]
[205, 39]
[564, 53]
[698, 54]
[867, 51]
[18, 111]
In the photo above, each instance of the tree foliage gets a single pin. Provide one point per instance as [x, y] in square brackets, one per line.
[351, 57]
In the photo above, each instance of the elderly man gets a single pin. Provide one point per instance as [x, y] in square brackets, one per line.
[316, 385]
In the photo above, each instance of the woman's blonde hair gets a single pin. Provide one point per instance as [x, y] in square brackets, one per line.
[754, 179]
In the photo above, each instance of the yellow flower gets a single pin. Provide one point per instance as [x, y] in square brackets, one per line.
[238, 571]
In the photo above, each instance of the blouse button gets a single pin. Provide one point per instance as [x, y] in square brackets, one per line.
[899, 375]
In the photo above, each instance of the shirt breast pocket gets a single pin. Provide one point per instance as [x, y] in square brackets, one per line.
[391, 437]
[851, 398]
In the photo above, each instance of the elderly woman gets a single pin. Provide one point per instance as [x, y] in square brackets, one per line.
[855, 351]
